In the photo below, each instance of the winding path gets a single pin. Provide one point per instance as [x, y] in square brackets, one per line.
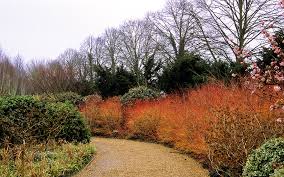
[125, 158]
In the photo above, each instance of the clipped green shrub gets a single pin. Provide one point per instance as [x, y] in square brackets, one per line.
[24, 118]
[140, 92]
[63, 97]
[266, 160]
[72, 125]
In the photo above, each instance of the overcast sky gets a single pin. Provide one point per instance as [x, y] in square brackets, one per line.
[42, 29]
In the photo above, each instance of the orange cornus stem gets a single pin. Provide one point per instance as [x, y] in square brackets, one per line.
[183, 120]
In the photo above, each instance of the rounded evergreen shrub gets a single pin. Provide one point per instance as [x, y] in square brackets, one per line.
[140, 92]
[266, 160]
[63, 97]
[24, 118]
[72, 125]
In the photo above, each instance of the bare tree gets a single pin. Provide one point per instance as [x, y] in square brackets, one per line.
[112, 48]
[176, 24]
[137, 46]
[50, 77]
[7, 73]
[20, 79]
[69, 60]
[81, 65]
[87, 49]
[237, 22]
[12, 75]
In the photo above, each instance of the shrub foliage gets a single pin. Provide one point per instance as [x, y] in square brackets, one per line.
[223, 123]
[24, 118]
[63, 97]
[264, 160]
[104, 117]
[145, 127]
[142, 93]
[113, 84]
[44, 160]
[187, 71]
[235, 134]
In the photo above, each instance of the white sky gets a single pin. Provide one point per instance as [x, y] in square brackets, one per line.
[38, 29]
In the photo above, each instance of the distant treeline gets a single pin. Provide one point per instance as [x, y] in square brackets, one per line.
[182, 45]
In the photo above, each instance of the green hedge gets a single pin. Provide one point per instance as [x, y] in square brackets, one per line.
[24, 118]
[266, 160]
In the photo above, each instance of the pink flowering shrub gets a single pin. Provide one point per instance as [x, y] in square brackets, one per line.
[281, 3]
[272, 74]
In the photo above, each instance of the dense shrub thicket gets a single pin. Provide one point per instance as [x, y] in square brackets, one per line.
[145, 127]
[140, 92]
[266, 160]
[24, 118]
[220, 124]
[104, 117]
[235, 134]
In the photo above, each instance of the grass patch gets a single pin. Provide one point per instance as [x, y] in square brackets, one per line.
[44, 160]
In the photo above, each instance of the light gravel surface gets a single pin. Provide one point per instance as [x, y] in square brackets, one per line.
[125, 158]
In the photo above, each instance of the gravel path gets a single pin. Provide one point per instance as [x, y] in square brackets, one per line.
[125, 158]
